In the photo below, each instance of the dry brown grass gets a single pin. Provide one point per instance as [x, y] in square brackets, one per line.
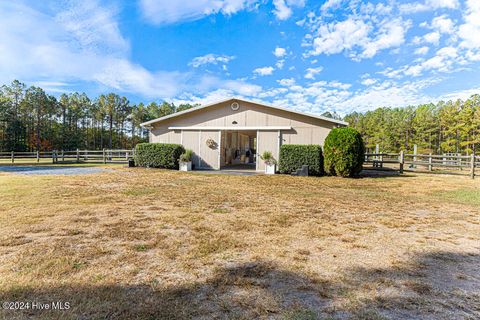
[145, 244]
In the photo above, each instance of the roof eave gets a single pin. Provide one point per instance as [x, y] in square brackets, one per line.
[149, 123]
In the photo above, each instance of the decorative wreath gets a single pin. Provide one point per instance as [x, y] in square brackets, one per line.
[211, 143]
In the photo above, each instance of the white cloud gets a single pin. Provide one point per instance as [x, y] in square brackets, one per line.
[391, 34]
[331, 4]
[369, 81]
[265, 71]
[432, 37]
[338, 36]
[422, 51]
[312, 72]
[286, 82]
[279, 52]
[361, 37]
[283, 9]
[336, 96]
[210, 59]
[427, 5]
[386, 94]
[469, 31]
[443, 61]
[449, 4]
[169, 11]
[443, 24]
[279, 64]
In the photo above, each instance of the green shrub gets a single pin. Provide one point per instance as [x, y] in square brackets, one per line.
[293, 156]
[268, 158]
[186, 156]
[158, 155]
[344, 152]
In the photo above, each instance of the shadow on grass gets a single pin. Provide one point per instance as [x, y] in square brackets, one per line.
[50, 169]
[439, 285]
[382, 173]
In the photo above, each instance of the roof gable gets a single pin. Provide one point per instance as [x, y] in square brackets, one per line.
[177, 114]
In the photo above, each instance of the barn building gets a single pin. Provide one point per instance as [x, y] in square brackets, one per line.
[234, 132]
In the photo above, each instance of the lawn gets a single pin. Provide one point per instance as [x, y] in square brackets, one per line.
[146, 244]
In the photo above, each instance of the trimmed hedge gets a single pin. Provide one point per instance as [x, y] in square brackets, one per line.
[158, 155]
[344, 152]
[293, 156]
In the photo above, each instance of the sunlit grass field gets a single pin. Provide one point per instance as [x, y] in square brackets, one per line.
[146, 244]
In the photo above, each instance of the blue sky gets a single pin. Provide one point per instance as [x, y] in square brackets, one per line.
[313, 56]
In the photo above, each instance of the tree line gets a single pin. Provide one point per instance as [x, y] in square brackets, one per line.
[31, 119]
[444, 127]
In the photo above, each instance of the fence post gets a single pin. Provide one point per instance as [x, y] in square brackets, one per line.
[415, 151]
[53, 156]
[104, 156]
[78, 155]
[430, 166]
[13, 156]
[472, 166]
[401, 159]
[63, 156]
[38, 156]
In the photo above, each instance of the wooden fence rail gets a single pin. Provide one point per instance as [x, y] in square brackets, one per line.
[103, 156]
[429, 161]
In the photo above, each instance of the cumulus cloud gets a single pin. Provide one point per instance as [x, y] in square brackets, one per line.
[338, 36]
[356, 35]
[444, 60]
[279, 52]
[168, 11]
[369, 81]
[286, 82]
[264, 71]
[469, 31]
[312, 72]
[283, 8]
[210, 59]
[414, 7]
[331, 4]
[422, 51]
[443, 24]
[432, 37]
[391, 34]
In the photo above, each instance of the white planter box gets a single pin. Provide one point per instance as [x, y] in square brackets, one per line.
[269, 168]
[186, 166]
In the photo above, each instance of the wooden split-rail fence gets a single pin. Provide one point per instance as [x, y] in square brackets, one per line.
[407, 161]
[98, 156]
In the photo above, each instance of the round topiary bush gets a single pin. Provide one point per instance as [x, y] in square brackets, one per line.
[344, 152]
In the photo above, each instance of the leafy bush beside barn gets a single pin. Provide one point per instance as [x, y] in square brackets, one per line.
[158, 155]
[293, 156]
[344, 152]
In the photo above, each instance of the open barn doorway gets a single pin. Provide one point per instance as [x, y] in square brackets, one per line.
[238, 150]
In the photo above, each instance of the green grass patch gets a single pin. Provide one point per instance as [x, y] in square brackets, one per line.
[141, 247]
[464, 196]
[300, 314]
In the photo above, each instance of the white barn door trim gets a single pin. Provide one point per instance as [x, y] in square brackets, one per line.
[219, 164]
[256, 151]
